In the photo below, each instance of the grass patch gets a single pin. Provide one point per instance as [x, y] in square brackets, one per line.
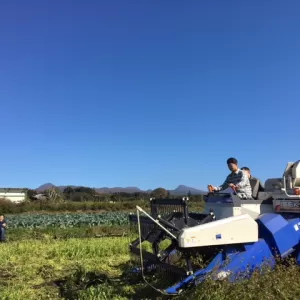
[31, 268]
[94, 268]
[281, 283]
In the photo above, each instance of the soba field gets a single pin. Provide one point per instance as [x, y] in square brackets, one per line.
[72, 256]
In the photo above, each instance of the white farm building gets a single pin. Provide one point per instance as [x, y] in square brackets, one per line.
[13, 194]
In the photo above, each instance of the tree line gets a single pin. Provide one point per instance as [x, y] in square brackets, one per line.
[80, 194]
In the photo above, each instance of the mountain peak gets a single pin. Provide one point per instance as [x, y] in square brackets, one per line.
[181, 186]
[184, 190]
[45, 186]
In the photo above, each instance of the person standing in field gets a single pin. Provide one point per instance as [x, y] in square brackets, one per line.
[3, 226]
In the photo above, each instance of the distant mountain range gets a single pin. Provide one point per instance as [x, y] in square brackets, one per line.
[180, 190]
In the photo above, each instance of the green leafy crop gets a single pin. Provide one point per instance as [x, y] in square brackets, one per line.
[66, 220]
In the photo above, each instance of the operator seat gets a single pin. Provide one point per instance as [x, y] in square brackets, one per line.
[255, 183]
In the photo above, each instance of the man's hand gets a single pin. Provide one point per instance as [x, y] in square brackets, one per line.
[211, 187]
[232, 185]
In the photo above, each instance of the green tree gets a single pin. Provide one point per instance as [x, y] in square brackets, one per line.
[30, 194]
[68, 192]
[159, 193]
[86, 190]
[83, 193]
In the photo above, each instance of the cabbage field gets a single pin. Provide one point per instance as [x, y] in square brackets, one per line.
[67, 220]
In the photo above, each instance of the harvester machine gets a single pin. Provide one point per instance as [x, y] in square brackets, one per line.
[175, 249]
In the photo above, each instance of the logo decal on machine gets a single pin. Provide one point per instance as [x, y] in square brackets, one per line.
[287, 205]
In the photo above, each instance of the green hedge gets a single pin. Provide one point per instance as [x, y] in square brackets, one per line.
[8, 207]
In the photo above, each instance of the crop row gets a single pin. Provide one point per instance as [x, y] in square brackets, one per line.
[66, 220]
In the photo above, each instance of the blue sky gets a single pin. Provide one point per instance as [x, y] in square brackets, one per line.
[147, 93]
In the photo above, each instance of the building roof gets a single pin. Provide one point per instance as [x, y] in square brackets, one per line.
[13, 190]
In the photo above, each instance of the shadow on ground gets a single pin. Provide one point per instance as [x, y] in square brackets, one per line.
[78, 284]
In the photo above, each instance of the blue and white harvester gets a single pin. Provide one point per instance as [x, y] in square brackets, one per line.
[233, 236]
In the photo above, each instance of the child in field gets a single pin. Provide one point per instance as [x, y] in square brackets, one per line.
[3, 226]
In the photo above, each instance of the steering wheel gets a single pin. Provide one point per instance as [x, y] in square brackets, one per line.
[234, 189]
[212, 191]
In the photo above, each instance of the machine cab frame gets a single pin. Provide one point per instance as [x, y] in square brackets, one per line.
[281, 195]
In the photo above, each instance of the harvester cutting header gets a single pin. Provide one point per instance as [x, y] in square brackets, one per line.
[236, 234]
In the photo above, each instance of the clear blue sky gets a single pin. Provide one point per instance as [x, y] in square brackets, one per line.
[147, 93]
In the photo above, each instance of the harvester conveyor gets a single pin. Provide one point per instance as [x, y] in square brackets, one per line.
[231, 239]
